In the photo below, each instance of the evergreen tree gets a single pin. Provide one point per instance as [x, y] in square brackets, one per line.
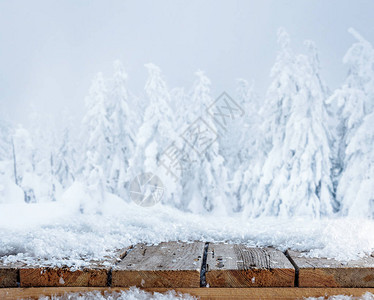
[355, 102]
[122, 120]
[23, 162]
[66, 155]
[98, 140]
[204, 182]
[5, 140]
[244, 139]
[296, 175]
[156, 133]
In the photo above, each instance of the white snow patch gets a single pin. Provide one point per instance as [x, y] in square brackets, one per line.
[131, 294]
[57, 234]
[366, 296]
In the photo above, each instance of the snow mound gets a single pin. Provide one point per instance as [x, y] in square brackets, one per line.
[132, 294]
[56, 234]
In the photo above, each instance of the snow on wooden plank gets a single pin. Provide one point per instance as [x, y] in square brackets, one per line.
[323, 272]
[234, 266]
[172, 264]
[45, 276]
[94, 275]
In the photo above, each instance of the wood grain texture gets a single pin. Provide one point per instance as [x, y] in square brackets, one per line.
[172, 264]
[203, 293]
[323, 272]
[45, 276]
[9, 274]
[94, 275]
[235, 266]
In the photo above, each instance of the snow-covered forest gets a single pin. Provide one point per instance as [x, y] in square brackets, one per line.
[301, 149]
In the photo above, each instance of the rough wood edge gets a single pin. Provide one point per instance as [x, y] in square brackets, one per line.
[8, 277]
[336, 277]
[60, 277]
[164, 278]
[250, 278]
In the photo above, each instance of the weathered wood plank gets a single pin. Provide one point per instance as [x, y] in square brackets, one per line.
[46, 276]
[172, 264]
[203, 293]
[234, 266]
[94, 275]
[322, 272]
[8, 276]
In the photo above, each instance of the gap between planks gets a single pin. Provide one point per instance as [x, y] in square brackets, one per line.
[323, 272]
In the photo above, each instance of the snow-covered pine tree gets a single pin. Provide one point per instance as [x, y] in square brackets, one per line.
[230, 147]
[180, 101]
[204, 180]
[355, 102]
[10, 192]
[24, 168]
[244, 138]
[98, 141]
[121, 122]
[296, 175]
[44, 180]
[156, 133]
[5, 140]
[65, 159]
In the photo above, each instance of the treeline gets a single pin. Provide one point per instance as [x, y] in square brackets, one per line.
[299, 150]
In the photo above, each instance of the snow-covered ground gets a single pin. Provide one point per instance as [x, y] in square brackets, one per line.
[61, 235]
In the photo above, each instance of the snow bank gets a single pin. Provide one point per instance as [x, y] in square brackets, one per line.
[59, 234]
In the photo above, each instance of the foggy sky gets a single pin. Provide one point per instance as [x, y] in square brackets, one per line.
[50, 50]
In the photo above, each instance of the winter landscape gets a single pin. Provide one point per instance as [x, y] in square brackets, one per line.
[289, 166]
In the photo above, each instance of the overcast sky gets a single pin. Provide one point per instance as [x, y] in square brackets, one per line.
[50, 50]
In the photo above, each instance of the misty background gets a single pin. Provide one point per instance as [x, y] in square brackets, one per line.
[50, 50]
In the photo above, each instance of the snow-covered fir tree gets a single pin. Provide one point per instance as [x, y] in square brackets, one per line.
[24, 169]
[204, 179]
[180, 104]
[121, 122]
[296, 175]
[10, 191]
[156, 133]
[244, 139]
[157, 128]
[98, 141]
[5, 140]
[65, 160]
[355, 102]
